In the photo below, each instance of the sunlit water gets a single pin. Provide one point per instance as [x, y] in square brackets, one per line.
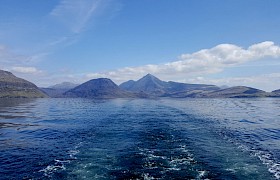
[140, 139]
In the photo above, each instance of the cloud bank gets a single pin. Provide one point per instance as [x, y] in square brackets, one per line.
[201, 63]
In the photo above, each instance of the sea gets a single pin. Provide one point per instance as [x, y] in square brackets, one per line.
[141, 139]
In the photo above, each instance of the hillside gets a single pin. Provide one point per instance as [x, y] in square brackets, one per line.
[275, 93]
[235, 92]
[14, 87]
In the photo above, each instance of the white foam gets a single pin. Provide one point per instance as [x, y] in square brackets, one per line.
[174, 169]
[178, 161]
[266, 158]
[51, 169]
[147, 176]
[152, 156]
[59, 164]
[201, 174]
[62, 161]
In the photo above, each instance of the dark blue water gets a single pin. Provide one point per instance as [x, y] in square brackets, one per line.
[140, 139]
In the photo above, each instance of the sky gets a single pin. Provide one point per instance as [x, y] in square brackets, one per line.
[230, 42]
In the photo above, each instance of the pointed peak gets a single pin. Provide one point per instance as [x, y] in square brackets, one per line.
[149, 76]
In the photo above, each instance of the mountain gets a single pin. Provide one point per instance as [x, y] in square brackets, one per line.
[148, 84]
[224, 87]
[101, 88]
[14, 87]
[275, 93]
[57, 90]
[54, 93]
[235, 92]
[64, 85]
[156, 87]
[127, 84]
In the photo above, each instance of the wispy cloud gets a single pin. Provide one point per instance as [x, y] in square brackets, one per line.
[203, 62]
[8, 57]
[75, 14]
[20, 65]
[62, 26]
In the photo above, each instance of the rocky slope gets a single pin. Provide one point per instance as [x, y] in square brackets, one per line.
[14, 87]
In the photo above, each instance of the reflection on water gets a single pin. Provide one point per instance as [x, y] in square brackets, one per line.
[140, 139]
[12, 102]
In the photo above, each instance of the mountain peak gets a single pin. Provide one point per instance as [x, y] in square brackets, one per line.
[148, 83]
[101, 88]
[149, 76]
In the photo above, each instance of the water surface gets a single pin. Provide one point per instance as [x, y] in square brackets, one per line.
[140, 139]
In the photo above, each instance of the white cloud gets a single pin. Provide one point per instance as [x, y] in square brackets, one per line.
[26, 70]
[75, 14]
[201, 63]
[267, 82]
[20, 65]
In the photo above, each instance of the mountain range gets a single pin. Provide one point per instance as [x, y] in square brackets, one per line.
[57, 90]
[12, 86]
[148, 86]
[151, 85]
[101, 88]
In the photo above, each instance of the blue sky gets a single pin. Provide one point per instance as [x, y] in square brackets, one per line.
[230, 42]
